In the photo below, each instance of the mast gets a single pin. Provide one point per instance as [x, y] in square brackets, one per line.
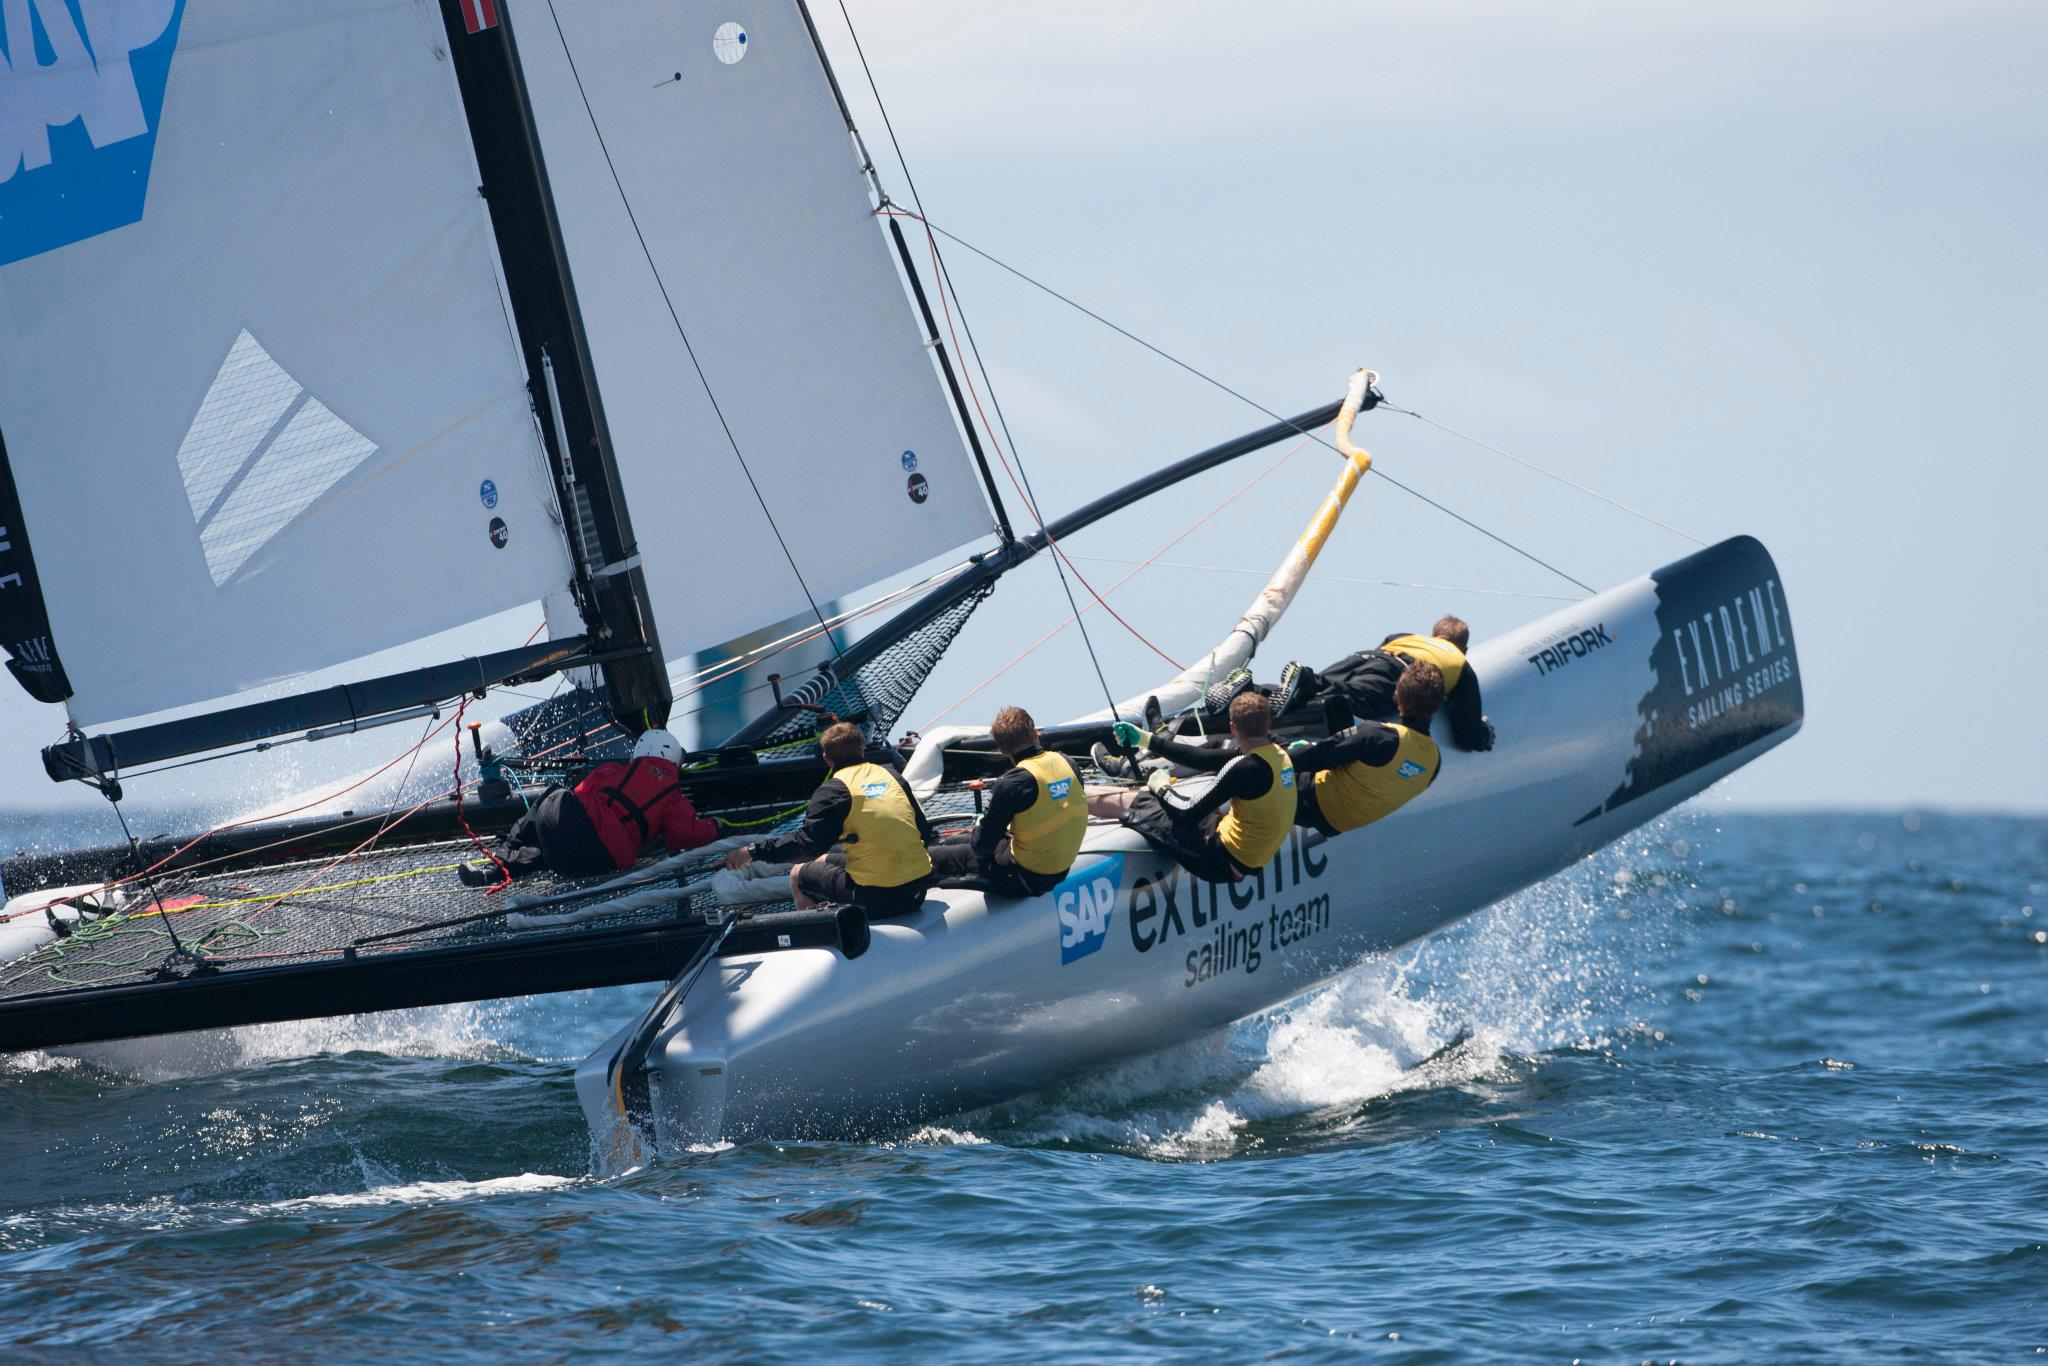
[610, 588]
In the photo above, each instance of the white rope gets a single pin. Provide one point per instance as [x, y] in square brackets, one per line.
[1548, 474]
[1336, 578]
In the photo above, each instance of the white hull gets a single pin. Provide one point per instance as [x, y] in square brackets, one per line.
[970, 1002]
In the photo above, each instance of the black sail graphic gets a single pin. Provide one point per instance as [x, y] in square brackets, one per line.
[1727, 671]
[24, 621]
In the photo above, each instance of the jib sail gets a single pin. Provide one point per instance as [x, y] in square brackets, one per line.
[779, 426]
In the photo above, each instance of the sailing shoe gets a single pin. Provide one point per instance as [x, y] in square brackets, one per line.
[1224, 691]
[1295, 678]
[1113, 768]
[1155, 715]
[478, 874]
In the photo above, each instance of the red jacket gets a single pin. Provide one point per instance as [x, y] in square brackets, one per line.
[632, 803]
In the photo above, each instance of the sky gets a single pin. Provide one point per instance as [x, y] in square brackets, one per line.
[1773, 268]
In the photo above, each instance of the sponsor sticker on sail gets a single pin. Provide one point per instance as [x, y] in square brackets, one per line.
[81, 91]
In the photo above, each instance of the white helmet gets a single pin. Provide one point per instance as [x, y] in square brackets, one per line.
[658, 744]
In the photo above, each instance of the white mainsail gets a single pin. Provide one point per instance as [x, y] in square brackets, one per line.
[715, 217]
[266, 413]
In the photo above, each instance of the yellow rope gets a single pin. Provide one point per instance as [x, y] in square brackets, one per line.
[305, 891]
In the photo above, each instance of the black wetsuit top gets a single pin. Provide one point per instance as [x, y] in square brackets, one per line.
[1008, 797]
[1237, 776]
[1463, 711]
[825, 821]
[1372, 743]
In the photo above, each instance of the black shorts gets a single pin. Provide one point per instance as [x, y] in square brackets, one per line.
[1190, 843]
[826, 879]
[1366, 680]
[954, 865]
[1308, 812]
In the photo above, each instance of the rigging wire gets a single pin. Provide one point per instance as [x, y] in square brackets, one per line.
[944, 284]
[1209, 379]
[1333, 578]
[676, 318]
[1548, 474]
[1180, 536]
[1060, 555]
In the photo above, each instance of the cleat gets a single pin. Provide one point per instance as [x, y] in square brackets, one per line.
[1118, 770]
[1225, 690]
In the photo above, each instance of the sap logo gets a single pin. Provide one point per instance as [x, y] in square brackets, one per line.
[1409, 769]
[873, 790]
[1085, 903]
[81, 89]
[1059, 788]
[1287, 776]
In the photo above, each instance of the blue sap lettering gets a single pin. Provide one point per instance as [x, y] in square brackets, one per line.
[78, 111]
[1085, 903]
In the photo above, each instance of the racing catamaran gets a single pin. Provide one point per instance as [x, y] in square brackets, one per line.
[291, 377]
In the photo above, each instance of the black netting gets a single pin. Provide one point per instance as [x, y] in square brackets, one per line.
[877, 694]
[322, 910]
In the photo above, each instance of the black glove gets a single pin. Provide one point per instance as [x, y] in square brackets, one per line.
[1485, 737]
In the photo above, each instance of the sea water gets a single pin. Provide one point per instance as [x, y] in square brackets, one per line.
[1742, 1088]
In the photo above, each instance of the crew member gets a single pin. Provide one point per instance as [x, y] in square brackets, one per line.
[601, 824]
[1366, 680]
[1238, 825]
[1373, 769]
[1037, 813]
[865, 808]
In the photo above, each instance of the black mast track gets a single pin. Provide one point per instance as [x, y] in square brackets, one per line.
[924, 308]
[611, 587]
[983, 570]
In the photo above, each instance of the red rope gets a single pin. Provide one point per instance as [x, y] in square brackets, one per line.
[939, 276]
[1185, 532]
[504, 873]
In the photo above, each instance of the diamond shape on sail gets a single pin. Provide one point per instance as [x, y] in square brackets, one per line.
[81, 92]
[260, 452]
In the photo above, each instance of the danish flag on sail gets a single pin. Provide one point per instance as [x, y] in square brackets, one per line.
[478, 15]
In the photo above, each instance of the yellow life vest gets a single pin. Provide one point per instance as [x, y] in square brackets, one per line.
[1045, 836]
[1254, 828]
[883, 848]
[1355, 794]
[1446, 656]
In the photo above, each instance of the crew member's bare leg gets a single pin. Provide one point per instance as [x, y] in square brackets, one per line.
[796, 891]
[1110, 803]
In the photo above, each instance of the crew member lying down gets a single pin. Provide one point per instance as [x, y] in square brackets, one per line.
[1366, 681]
[601, 824]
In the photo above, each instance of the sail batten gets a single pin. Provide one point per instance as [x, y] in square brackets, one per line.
[265, 414]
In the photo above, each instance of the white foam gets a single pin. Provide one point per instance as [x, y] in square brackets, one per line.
[452, 1031]
[1527, 978]
[424, 1192]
